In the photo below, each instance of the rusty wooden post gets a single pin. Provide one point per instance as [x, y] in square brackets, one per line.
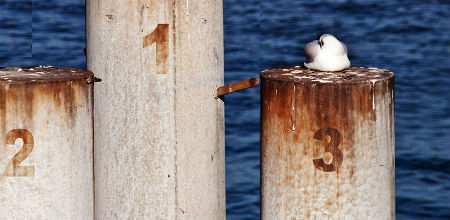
[159, 128]
[46, 143]
[327, 144]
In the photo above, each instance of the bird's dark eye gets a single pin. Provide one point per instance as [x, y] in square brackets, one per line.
[318, 37]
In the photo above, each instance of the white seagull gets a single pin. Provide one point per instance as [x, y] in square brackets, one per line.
[326, 54]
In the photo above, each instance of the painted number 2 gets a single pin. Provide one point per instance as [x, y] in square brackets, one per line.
[13, 168]
[331, 147]
[160, 36]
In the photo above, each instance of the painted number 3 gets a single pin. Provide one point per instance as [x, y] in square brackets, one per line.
[13, 168]
[160, 36]
[332, 148]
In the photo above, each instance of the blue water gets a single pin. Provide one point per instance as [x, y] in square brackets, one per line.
[410, 38]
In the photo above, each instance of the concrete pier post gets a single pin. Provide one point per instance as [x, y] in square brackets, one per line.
[159, 128]
[327, 144]
[46, 143]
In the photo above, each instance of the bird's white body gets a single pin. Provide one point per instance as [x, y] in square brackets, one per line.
[326, 54]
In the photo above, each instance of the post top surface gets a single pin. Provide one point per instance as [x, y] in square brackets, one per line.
[12, 75]
[353, 74]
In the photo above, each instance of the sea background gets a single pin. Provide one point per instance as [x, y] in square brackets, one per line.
[411, 38]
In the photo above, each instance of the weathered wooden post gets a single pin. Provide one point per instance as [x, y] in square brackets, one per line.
[159, 129]
[46, 143]
[327, 144]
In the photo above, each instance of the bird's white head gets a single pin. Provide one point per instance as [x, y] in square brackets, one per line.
[330, 43]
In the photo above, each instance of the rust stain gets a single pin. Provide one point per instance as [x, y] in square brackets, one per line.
[35, 74]
[29, 96]
[160, 36]
[28, 92]
[13, 168]
[25, 89]
[14, 134]
[237, 86]
[316, 104]
[321, 102]
[69, 98]
[289, 181]
[331, 147]
[3, 111]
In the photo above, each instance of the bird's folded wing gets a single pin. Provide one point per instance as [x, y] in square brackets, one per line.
[345, 48]
[311, 51]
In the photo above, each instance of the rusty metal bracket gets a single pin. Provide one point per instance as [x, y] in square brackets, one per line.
[92, 80]
[237, 86]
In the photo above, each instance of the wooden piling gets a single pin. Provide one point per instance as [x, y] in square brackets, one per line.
[46, 143]
[159, 130]
[327, 144]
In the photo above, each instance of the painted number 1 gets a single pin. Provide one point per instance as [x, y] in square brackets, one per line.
[13, 168]
[331, 147]
[160, 36]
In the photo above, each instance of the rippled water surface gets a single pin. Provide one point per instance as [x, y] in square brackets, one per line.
[410, 38]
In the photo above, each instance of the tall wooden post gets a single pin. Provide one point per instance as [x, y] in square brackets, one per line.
[159, 130]
[327, 144]
[46, 143]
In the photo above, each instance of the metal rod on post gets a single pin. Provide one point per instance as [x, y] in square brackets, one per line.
[237, 86]
[327, 144]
